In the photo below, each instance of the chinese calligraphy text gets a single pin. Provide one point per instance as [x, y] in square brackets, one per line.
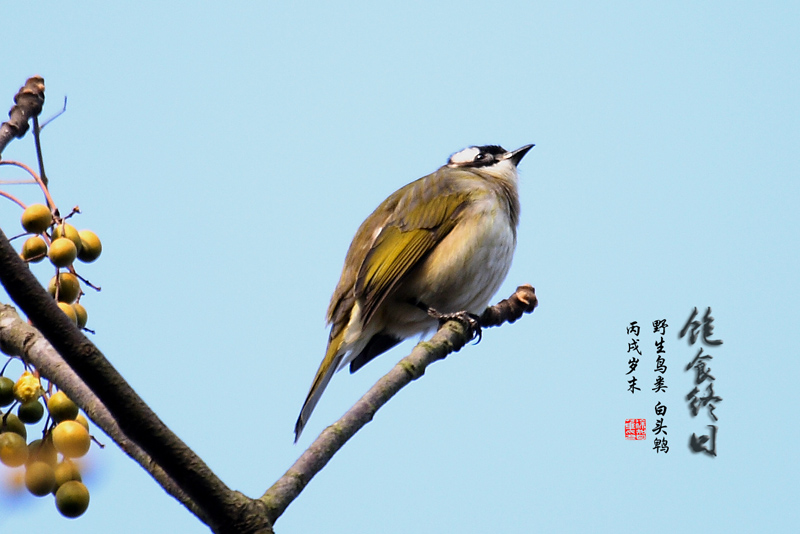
[694, 329]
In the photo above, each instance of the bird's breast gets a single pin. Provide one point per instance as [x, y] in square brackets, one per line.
[467, 267]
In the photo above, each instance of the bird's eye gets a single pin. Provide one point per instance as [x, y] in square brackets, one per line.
[484, 158]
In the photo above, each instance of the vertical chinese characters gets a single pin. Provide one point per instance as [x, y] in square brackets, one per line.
[702, 376]
[635, 429]
[660, 429]
[633, 346]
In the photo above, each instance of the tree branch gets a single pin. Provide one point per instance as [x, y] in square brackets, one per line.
[223, 510]
[18, 338]
[450, 338]
[27, 103]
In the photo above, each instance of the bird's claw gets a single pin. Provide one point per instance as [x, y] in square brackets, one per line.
[470, 320]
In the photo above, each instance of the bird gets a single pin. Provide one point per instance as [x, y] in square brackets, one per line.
[442, 244]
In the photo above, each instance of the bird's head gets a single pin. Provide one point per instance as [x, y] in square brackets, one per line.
[491, 159]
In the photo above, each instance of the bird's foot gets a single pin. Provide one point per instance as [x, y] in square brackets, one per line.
[470, 320]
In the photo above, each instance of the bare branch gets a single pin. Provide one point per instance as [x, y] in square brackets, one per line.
[27, 103]
[451, 336]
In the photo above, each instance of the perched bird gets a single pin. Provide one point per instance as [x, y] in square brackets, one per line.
[443, 242]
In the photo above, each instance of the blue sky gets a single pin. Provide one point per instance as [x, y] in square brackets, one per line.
[226, 155]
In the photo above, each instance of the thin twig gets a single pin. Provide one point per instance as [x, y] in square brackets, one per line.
[54, 117]
[12, 198]
[37, 142]
[50, 202]
[84, 280]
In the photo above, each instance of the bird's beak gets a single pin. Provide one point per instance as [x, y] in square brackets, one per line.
[516, 155]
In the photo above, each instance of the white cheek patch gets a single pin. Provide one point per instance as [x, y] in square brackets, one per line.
[503, 170]
[465, 156]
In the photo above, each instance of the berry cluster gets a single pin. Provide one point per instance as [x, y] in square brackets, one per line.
[66, 244]
[66, 434]
[51, 464]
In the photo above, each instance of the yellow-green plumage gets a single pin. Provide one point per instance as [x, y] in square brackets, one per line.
[444, 241]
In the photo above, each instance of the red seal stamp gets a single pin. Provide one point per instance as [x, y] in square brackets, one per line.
[635, 429]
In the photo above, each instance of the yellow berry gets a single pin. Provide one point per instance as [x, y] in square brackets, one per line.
[36, 218]
[30, 412]
[40, 478]
[27, 387]
[6, 391]
[68, 231]
[13, 424]
[34, 249]
[72, 499]
[83, 421]
[42, 451]
[68, 287]
[13, 450]
[61, 407]
[90, 246]
[81, 314]
[66, 471]
[71, 439]
[69, 311]
[62, 252]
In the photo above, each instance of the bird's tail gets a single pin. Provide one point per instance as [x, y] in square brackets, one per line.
[329, 365]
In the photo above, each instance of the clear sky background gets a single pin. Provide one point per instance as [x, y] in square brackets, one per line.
[226, 153]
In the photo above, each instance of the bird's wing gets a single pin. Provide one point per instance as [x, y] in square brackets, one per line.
[422, 218]
[389, 243]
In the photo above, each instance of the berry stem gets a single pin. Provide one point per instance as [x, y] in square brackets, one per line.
[12, 198]
[35, 176]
